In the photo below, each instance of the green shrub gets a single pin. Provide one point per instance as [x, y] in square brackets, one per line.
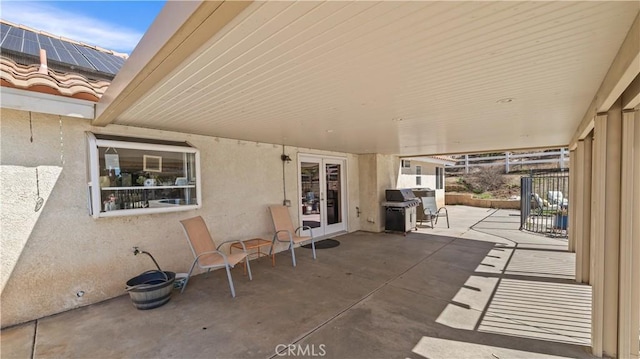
[484, 195]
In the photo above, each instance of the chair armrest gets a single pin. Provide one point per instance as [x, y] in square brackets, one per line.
[224, 256]
[303, 228]
[275, 236]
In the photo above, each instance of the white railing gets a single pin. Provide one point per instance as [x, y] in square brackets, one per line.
[561, 157]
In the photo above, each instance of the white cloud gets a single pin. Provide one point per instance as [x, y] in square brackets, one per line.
[92, 31]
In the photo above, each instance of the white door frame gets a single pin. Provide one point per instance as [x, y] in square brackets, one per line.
[325, 229]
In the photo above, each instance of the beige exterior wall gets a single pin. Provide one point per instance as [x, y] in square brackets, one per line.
[370, 214]
[377, 173]
[50, 255]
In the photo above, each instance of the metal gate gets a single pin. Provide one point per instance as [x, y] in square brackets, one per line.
[544, 203]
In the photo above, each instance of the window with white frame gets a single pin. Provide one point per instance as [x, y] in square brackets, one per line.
[439, 177]
[133, 176]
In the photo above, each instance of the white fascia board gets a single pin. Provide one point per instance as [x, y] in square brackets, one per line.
[45, 103]
[430, 160]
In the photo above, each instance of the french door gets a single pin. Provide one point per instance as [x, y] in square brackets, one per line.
[322, 194]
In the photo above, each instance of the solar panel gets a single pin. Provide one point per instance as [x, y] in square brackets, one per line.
[44, 40]
[31, 47]
[31, 36]
[83, 50]
[118, 60]
[12, 43]
[65, 57]
[81, 60]
[99, 65]
[52, 54]
[61, 51]
[98, 59]
[4, 30]
[68, 46]
[56, 43]
[16, 32]
[109, 60]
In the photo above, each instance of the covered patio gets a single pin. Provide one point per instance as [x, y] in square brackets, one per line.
[479, 289]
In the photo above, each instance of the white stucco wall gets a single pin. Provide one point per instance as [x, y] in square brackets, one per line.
[407, 178]
[50, 255]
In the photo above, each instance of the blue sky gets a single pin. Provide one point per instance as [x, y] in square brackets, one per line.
[113, 25]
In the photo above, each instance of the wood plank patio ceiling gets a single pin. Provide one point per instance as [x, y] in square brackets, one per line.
[407, 78]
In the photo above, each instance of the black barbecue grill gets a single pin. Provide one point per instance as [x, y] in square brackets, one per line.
[400, 210]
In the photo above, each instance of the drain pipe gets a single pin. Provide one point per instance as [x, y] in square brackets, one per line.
[285, 159]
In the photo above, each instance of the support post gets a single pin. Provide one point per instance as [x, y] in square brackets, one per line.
[629, 291]
[606, 253]
[597, 231]
[506, 162]
[572, 196]
[582, 204]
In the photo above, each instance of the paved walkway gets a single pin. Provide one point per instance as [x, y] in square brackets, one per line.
[481, 289]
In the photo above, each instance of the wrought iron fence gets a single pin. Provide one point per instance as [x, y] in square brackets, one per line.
[544, 203]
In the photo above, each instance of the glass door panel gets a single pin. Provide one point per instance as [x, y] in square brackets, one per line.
[322, 194]
[310, 194]
[334, 193]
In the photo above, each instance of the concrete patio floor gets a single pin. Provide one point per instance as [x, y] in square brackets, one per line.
[481, 289]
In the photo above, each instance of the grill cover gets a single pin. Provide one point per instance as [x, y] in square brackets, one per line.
[402, 197]
[399, 195]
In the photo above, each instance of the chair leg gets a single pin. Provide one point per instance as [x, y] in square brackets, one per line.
[293, 254]
[188, 276]
[233, 291]
[431, 218]
[248, 267]
[313, 248]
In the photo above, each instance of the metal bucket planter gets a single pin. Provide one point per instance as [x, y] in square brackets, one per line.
[150, 289]
[562, 221]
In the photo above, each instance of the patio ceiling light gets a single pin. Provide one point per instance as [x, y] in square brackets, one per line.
[506, 100]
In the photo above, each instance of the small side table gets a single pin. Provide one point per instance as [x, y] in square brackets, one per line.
[254, 243]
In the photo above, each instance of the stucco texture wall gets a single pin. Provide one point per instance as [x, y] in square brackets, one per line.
[377, 174]
[50, 255]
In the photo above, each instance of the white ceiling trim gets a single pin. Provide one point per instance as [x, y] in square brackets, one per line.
[19, 99]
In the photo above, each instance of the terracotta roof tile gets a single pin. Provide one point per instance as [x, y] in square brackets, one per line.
[63, 84]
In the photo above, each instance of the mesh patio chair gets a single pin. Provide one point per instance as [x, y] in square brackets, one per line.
[432, 211]
[543, 206]
[207, 255]
[285, 232]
